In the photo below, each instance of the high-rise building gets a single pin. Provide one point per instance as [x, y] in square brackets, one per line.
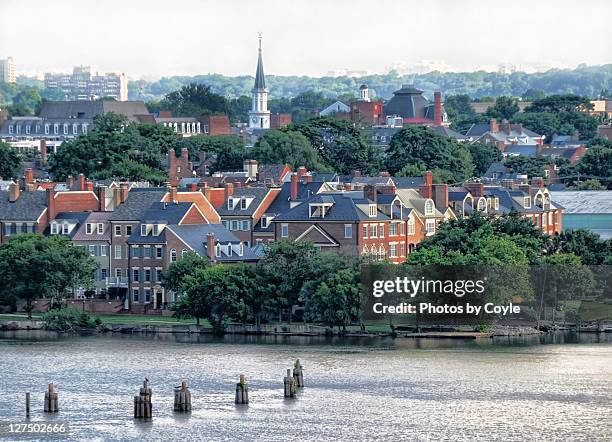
[7, 70]
[85, 84]
[259, 115]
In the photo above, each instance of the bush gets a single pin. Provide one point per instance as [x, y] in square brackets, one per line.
[68, 319]
[482, 328]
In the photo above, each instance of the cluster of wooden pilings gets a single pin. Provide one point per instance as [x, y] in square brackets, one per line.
[143, 408]
[182, 398]
[50, 404]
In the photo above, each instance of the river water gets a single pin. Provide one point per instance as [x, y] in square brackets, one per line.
[368, 389]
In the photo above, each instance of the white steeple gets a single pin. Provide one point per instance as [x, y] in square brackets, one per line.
[259, 115]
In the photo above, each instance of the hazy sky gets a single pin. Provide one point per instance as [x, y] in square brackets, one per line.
[310, 37]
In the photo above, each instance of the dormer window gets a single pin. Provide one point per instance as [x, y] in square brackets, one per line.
[265, 222]
[155, 229]
[429, 207]
[482, 204]
[527, 202]
[88, 228]
[54, 228]
[229, 249]
[244, 203]
[231, 202]
[372, 210]
[143, 230]
[65, 229]
[240, 249]
[496, 203]
[218, 250]
[100, 228]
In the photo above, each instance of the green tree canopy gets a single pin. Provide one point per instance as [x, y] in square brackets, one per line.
[228, 150]
[9, 161]
[504, 108]
[287, 147]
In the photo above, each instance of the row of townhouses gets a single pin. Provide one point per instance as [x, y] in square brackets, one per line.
[135, 232]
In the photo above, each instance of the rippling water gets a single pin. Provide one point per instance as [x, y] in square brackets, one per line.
[355, 390]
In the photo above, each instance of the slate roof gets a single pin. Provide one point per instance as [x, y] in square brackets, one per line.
[168, 213]
[408, 102]
[521, 149]
[77, 218]
[477, 130]
[408, 182]
[196, 236]
[371, 180]
[260, 78]
[323, 177]
[138, 202]
[28, 207]
[344, 208]
[257, 193]
[584, 201]
[448, 133]
[282, 201]
[271, 171]
[94, 217]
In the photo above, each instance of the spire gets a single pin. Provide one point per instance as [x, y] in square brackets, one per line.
[260, 79]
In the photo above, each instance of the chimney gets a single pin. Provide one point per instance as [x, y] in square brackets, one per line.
[124, 192]
[476, 189]
[369, 192]
[294, 186]
[250, 167]
[428, 178]
[229, 190]
[438, 108]
[173, 198]
[440, 195]
[70, 181]
[537, 182]
[505, 126]
[14, 192]
[210, 246]
[117, 197]
[202, 184]
[81, 181]
[185, 155]
[43, 151]
[50, 205]
[309, 178]
[301, 171]
[493, 126]
[192, 187]
[101, 194]
[171, 162]
[29, 177]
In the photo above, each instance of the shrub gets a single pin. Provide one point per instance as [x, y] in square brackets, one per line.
[68, 319]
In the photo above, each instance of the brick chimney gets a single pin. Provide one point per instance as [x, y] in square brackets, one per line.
[101, 194]
[192, 187]
[14, 192]
[493, 126]
[438, 108]
[81, 181]
[370, 193]
[29, 177]
[229, 190]
[70, 181]
[125, 190]
[428, 178]
[537, 182]
[50, 205]
[43, 151]
[440, 195]
[171, 163]
[294, 186]
[476, 189]
[210, 246]
[173, 197]
[301, 171]
[505, 126]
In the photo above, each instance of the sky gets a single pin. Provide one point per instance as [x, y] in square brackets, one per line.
[151, 39]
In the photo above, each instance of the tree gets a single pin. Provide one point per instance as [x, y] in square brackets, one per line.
[533, 94]
[194, 99]
[174, 278]
[228, 151]
[597, 163]
[215, 293]
[420, 146]
[588, 246]
[336, 301]
[9, 161]
[483, 155]
[33, 265]
[560, 103]
[287, 147]
[340, 145]
[531, 166]
[504, 109]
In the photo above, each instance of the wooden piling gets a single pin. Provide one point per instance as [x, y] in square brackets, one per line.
[242, 391]
[290, 385]
[28, 404]
[143, 408]
[182, 398]
[298, 373]
[51, 402]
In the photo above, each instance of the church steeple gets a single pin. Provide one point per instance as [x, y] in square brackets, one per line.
[259, 115]
[260, 78]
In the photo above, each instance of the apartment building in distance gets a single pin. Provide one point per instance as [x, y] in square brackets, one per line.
[7, 70]
[87, 84]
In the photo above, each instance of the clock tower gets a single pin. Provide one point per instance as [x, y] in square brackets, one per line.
[259, 115]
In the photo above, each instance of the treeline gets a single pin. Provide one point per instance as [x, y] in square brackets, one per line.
[586, 81]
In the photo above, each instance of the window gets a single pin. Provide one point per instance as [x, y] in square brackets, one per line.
[100, 228]
[46, 129]
[411, 227]
[155, 229]
[136, 252]
[429, 207]
[527, 202]
[53, 228]
[265, 222]
[158, 275]
[365, 230]
[393, 229]
[147, 295]
[128, 230]
[482, 204]
[284, 230]
[147, 275]
[183, 253]
[104, 250]
[75, 128]
[235, 225]
[393, 250]
[230, 203]
[241, 249]
[117, 230]
[246, 225]
[243, 203]
[136, 295]
[92, 250]
[103, 274]
[382, 230]
[84, 128]
[143, 230]
[159, 252]
[118, 272]
[65, 128]
[229, 249]
[88, 228]
[430, 226]
[65, 229]
[372, 210]
[373, 231]
[148, 252]
[173, 255]
[18, 127]
[27, 129]
[117, 252]
[135, 275]
[56, 129]
[218, 250]
[348, 230]
[10, 129]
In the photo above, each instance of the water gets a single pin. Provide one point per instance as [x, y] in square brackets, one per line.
[364, 389]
